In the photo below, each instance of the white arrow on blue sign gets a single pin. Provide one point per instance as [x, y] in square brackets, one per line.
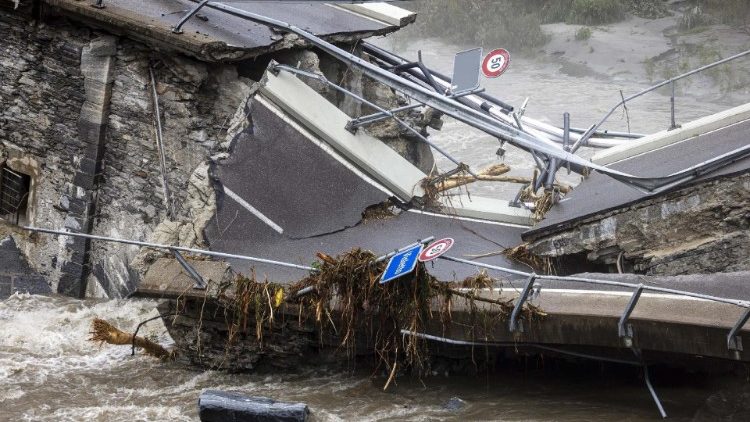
[402, 263]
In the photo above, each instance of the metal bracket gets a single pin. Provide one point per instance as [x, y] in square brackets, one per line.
[515, 324]
[200, 284]
[734, 342]
[395, 251]
[625, 330]
[177, 29]
[354, 124]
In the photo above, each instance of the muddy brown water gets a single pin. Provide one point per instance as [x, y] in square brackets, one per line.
[50, 372]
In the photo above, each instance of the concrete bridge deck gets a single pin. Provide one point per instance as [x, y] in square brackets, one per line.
[599, 194]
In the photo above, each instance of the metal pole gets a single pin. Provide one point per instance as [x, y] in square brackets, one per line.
[671, 99]
[363, 100]
[514, 324]
[199, 282]
[170, 248]
[160, 145]
[394, 252]
[177, 29]
[625, 330]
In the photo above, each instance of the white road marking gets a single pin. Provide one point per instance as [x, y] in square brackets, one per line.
[474, 220]
[253, 210]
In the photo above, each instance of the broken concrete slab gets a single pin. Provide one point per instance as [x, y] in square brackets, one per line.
[284, 176]
[167, 278]
[215, 36]
[483, 208]
[328, 122]
[220, 406]
[664, 138]
[599, 194]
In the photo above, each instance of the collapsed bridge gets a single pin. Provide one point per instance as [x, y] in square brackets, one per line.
[252, 132]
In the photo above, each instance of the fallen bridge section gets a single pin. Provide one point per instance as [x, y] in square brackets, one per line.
[700, 227]
[214, 36]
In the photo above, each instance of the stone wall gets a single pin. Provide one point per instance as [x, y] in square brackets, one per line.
[79, 117]
[698, 229]
[196, 103]
[42, 93]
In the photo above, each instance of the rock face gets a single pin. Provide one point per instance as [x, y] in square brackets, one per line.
[698, 229]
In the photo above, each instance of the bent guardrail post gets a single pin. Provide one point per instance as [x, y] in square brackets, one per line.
[395, 251]
[355, 124]
[734, 342]
[515, 324]
[200, 284]
[177, 29]
[625, 330]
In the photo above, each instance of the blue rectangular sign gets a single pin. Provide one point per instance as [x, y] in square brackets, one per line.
[402, 263]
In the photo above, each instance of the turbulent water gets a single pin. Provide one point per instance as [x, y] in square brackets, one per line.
[49, 371]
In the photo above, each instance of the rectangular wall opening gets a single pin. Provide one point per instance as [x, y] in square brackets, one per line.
[14, 195]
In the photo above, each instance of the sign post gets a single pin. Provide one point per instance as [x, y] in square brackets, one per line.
[495, 63]
[402, 263]
[435, 249]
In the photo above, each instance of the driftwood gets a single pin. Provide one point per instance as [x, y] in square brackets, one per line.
[495, 173]
[104, 332]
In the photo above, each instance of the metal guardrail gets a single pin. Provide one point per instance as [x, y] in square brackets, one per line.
[660, 85]
[624, 330]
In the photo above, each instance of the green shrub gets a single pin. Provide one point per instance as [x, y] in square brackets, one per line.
[596, 12]
[649, 9]
[694, 18]
[583, 33]
[504, 23]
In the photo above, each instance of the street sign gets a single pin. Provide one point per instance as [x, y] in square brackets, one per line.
[436, 249]
[495, 63]
[402, 263]
[466, 71]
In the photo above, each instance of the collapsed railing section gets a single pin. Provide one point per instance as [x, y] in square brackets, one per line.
[482, 121]
[624, 330]
[671, 83]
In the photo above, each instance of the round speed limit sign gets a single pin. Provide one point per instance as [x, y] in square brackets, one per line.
[435, 249]
[495, 63]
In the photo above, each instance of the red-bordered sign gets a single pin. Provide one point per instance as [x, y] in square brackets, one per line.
[435, 249]
[495, 63]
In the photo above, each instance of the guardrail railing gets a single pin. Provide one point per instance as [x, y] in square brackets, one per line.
[624, 330]
[670, 82]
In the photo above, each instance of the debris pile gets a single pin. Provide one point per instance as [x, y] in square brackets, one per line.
[338, 314]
